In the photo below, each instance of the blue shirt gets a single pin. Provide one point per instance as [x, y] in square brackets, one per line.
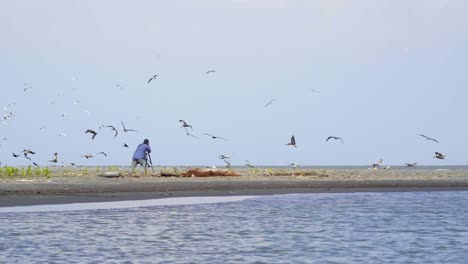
[140, 152]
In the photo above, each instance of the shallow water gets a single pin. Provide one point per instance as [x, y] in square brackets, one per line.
[407, 227]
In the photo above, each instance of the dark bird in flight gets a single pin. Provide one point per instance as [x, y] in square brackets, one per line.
[335, 138]
[55, 159]
[15, 155]
[228, 164]
[213, 137]
[412, 165]
[125, 145]
[269, 103]
[73, 164]
[185, 125]
[439, 155]
[153, 78]
[26, 152]
[210, 71]
[102, 153]
[35, 164]
[192, 135]
[115, 130]
[94, 133]
[87, 155]
[293, 142]
[247, 163]
[429, 138]
[223, 157]
[127, 129]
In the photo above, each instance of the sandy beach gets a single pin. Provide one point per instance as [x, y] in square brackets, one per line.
[88, 184]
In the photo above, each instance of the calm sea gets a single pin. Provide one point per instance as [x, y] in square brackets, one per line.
[394, 227]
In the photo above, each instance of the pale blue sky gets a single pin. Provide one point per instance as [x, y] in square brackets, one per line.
[386, 71]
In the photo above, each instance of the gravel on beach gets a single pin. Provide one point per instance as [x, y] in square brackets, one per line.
[88, 185]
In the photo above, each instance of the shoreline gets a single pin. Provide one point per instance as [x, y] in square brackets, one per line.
[79, 193]
[61, 188]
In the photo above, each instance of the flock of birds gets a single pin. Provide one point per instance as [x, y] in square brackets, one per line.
[27, 152]
[438, 155]
[189, 131]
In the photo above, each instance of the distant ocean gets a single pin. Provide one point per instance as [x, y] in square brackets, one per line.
[393, 227]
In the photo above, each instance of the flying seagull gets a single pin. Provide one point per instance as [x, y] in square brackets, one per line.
[429, 138]
[94, 133]
[55, 159]
[26, 152]
[210, 71]
[115, 130]
[87, 155]
[335, 138]
[439, 155]
[102, 153]
[412, 165]
[294, 165]
[125, 145]
[247, 163]
[314, 91]
[26, 87]
[228, 164]
[223, 157]
[153, 78]
[213, 137]
[293, 142]
[192, 135]
[269, 103]
[377, 164]
[15, 155]
[185, 125]
[125, 129]
[35, 164]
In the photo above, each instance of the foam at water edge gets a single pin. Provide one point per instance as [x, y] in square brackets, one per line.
[123, 204]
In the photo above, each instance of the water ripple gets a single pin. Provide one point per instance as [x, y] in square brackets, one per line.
[417, 227]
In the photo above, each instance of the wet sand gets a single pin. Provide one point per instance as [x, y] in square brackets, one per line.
[85, 185]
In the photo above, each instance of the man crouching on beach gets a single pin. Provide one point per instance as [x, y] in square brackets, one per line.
[139, 157]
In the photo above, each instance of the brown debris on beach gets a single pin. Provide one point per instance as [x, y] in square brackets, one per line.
[209, 173]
